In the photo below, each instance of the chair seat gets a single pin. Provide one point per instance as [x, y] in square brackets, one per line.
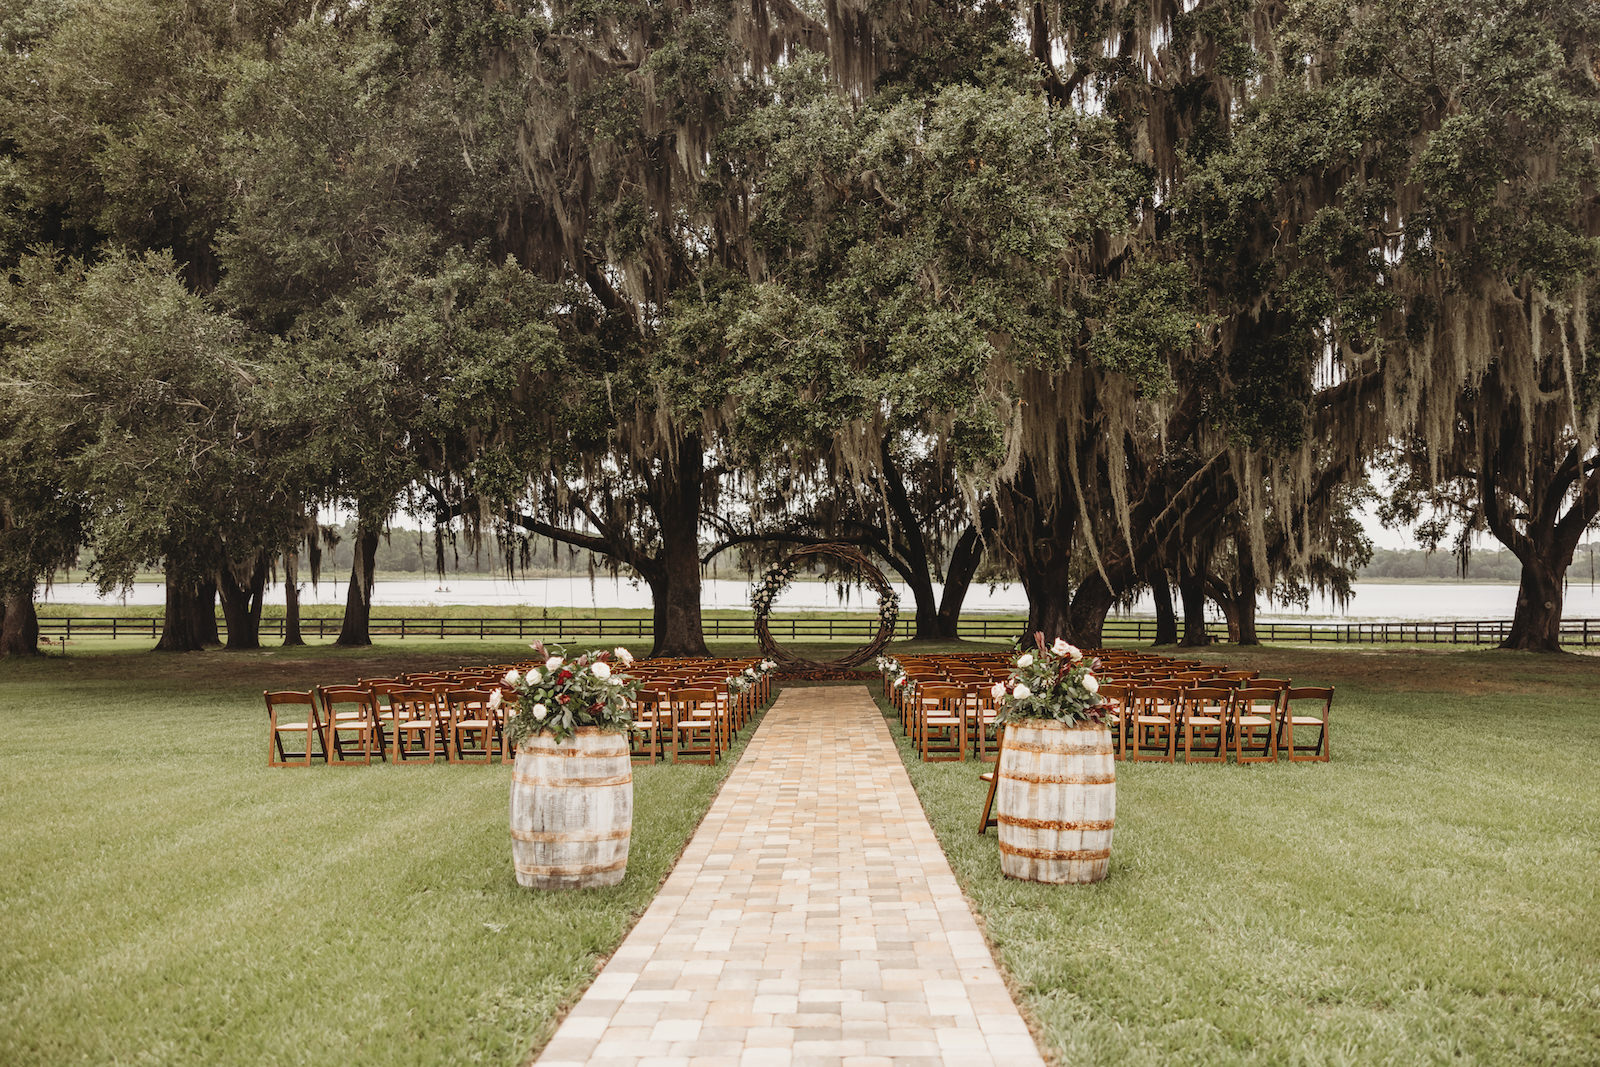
[304, 725]
[1306, 720]
[1259, 720]
[473, 724]
[1153, 719]
[1201, 720]
[414, 724]
[986, 776]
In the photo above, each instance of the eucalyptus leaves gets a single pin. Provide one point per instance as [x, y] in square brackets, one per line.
[1055, 682]
[564, 694]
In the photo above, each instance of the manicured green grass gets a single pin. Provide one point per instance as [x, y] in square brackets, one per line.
[1429, 896]
[166, 898]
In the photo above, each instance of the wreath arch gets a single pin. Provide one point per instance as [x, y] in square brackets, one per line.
[772, 583]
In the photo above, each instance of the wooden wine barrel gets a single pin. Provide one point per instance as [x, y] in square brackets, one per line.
[572, 810]
[1056, 801]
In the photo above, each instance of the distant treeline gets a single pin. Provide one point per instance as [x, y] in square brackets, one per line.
[407, 552]
[413, 552]
[1484, 566]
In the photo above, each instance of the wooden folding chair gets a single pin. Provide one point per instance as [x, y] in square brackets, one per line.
[1115, 694]
[1253, 731]
[1304, 708]
[307, 726]
[695, 729]
[647, 740]
[417, 724]
[472, 725]
[350, 717]
[1205, 713]
[941, 723]
[988, 819]
[1153, 723]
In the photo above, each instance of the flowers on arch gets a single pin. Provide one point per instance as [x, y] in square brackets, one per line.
[589, 689]
[1052, 682]
[772, 584]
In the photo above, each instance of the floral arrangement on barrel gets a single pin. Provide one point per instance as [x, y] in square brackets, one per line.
[1055, 682]
[589, 689]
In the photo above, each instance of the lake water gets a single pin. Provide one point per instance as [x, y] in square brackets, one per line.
[1375, 601]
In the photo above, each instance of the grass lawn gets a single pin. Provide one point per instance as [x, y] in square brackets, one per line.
[168, 899]
[1427, 897]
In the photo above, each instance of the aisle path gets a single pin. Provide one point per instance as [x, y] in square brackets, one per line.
[813, 919]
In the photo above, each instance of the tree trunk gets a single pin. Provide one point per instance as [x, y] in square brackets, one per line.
[356, 629]
[1536, 623]
[241, 604]
[1166, 616]
[291, 599]
[189, 622]
[1090, 606]
[1192, 592]
[927, 611]
[1040, 546]
[19, 623]
[964, 560]
[679, 630]
[1246, 586]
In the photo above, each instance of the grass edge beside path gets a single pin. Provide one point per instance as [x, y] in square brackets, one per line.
[1427, 897]
[170, 899]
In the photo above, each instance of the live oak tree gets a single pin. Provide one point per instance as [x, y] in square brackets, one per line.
[1436, 164]
[147, 396]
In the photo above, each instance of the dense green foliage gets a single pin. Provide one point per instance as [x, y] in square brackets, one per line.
[1090, 295]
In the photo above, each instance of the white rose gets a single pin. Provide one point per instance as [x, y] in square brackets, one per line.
[1090, 684]
[1022, 692]
[1075, 652]
[602, 670]
[534, 676]
[554, 663]
[512, 677]
[998, 690]
[1060, 647]
[540, 711]
[1025, 660]
[624, 655]
[496, 698]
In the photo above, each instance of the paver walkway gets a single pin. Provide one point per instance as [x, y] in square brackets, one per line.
[813, 919]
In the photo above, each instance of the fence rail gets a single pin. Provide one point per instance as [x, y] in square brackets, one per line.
[1582, 632]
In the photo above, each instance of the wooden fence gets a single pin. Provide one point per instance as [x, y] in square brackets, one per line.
[1581, 632]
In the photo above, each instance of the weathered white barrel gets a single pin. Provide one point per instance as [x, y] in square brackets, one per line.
[1056, 801]
[572, 810]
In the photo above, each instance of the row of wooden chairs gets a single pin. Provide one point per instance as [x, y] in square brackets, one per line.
[946, 707]
[691, 710]
[688, 709]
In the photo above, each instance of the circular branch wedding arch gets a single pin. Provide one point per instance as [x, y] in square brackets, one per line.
[773, 583]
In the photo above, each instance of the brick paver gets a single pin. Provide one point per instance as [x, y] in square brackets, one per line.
[813, 919]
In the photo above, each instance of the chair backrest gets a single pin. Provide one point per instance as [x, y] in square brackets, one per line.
[467, 704]
[1307, 694]
[1207, 700]
[416, 703]
[291, 699]
[693, 702]
[342, 698]
[1280, 684]
[1258, 699]
[1156, 699]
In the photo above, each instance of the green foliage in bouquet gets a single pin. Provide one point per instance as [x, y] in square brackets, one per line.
[566, 693]
[1055, 682]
